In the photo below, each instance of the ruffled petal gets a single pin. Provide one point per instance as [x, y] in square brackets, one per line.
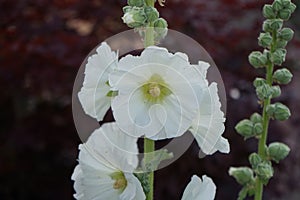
[168, 119]
[198, 190]
[208, 127]
[113, 147]
[92, 95]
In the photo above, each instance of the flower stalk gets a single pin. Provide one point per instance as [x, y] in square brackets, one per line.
[274, 39]
[149, 145]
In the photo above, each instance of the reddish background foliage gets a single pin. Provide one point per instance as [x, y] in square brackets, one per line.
[42, 44]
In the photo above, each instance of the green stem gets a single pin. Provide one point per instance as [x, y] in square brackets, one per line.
[149, 36]
[149, 147]
[266, 120]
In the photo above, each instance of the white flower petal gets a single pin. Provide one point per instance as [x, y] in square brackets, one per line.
[173, 116]
[134, 189]
[198, 190]
[208, 127]
[92, 95]
[107, 151]
[114, 147]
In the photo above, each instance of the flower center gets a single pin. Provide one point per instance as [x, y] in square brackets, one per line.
[120, 181]
[155, 89]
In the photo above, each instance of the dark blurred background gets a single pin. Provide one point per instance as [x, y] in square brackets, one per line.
[42, 44]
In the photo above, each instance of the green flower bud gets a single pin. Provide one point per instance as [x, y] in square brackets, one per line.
[284, 14]
[278, 151]
[282, 76]
[160, 23]
[286, 34]
[268, 12]
[137, 3]
[280, 43]
[160, 29]
[245, 128]
[257, 59]
[243, 175]
[278, 111]
[151, 13]
[278, 57]
[271, 25]
[265, 40]
[257, 128]
[259, 82]
[277, 6]
[276, 91]
[256, 118]
[254, 160]
[134, 17]
[264, 91]
[264, 171]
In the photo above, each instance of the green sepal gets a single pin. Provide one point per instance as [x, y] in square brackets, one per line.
[112, 93]
[276, 91]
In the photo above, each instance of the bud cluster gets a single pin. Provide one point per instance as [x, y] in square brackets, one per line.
[137, 14]
[273, 39]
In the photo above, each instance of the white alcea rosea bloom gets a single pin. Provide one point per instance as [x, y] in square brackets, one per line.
[208, 126]
[198, 190]
[158, 93]
[95, 95]
[106, 165]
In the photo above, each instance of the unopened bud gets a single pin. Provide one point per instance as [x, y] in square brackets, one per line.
[264, 91]
[276, 91]
[286, 34]
[284, 14]
[257, 128]
[265, 39]
[278, 111]
[278, 151]
[151, 13]
[264, 171]
[271, 25]
[245, 128]
[257, 59]
[254, 160]
[282, 76]
[243, 175]
[134, 17]
[278, 57]
[259, 82]
[268, 12]
[256, 118]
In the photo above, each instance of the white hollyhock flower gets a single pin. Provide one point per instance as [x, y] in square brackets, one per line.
[198, 190]
[158, 93]
[208, 126]
[106, 163]
[94, 95]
